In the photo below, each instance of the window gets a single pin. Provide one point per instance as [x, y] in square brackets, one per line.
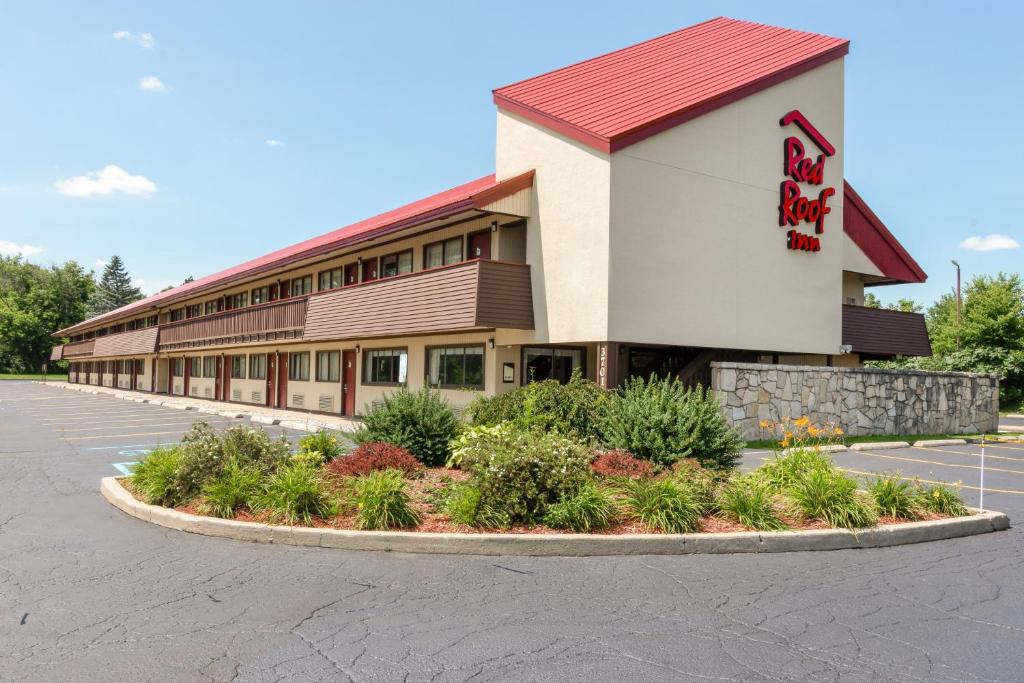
[195, 367]
[258, 366]
[385, 366]
[298, 366]
[457, 367]
[396, 264]
[237, 367]
[369, 270]
[442, 253]
[194, 311]
[260, 295]
[177, 367]
[540, 363]
[210, 366]
[240, 300]
[150, 321]
[177, 314]
[328, 366]
[140, 366]
[211, 307]
[300, 285]
[352, 274]
[329, 279]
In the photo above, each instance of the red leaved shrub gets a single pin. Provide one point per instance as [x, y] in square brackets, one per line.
[619, 463]
[373, 456]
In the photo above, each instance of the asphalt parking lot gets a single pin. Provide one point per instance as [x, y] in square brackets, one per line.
[87, 593]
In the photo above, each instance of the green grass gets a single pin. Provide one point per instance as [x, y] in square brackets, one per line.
[662, 505]
[381, 501]
[591, 508]
[56, 377]
[749, 501]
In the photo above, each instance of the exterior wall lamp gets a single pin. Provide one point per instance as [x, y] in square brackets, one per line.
[490, 343]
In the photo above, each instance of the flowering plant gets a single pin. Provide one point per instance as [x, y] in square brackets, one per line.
[801, 433]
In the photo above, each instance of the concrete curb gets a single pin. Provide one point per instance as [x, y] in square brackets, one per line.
[570, 545]
[825, 448]
[878, 446]
[925, 443]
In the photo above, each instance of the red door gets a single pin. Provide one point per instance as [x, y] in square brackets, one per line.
[218, 383]
[369, 270]
[348, 382]
[226, 382]
[117, 365]
[133, 381]
[271, 374]
[152, 377]
[188, 370]
[480, 244]
[282, 380]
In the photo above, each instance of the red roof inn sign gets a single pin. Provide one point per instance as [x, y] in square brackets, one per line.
[798, 167]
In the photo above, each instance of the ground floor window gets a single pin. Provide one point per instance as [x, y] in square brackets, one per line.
[328, 366]
[456, 367]
[195, 366]
[237, 367]
[177, 367]
[541, 363]
[298, 366]
[385, 366]
[210, 366]
[140, 366]
[258, 366]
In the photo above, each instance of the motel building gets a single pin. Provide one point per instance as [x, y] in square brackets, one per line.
[652, 210]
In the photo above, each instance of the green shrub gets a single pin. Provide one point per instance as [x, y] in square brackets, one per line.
[784, 470]
[827, 494]
[663, 421]
[702, 483]
[588, 509]
[323, 442]
[474, 443]
[381, 501]
[236, 486]
[295, 493]
[575, 408]
[464, 506]
[202, 459]
[420, 421]
[521, 473]
[154, 477]
[250, 446]
[896, 498]
[748, 501]
[662, 505]
[942, 500]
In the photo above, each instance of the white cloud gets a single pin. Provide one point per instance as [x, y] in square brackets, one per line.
[109, 180]
[993, 242]
[274, 143]
[152, 84]
[99, 263]
[12, 249]
[144, 40]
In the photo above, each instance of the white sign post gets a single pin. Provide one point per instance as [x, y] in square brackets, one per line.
[981, 484]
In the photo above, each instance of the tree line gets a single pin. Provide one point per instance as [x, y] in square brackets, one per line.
[36, 301]
[989, 336]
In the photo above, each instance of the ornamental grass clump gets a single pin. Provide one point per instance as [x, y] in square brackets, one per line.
[663, 421]
[590, 508]
[896, 498]
[295, 493]
[421, 422]
[464, 505]
[154, 477]
[254, 447]
[661, 505]
[748, 501]
[942, 500]
[827, 494]
[702, 483]
[381, 501]
[323, 442]
[234, 488]
[784, 470]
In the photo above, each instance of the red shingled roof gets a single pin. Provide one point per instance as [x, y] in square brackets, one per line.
[620, 98]
[472, 195]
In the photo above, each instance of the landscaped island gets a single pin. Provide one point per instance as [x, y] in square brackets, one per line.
[652, 457]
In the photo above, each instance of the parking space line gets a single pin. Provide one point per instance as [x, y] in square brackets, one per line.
[989, 444]
[932, 481]
[132, 445]
[936, 462]
[988, 456]
[116, 427]
[117, 436]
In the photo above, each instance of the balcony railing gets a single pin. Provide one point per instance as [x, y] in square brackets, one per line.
[884, 333]
[78, 349]
[264, 322]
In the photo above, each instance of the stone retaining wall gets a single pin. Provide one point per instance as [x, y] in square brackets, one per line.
[863, 401]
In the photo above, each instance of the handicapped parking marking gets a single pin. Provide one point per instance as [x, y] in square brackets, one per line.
[125, 468]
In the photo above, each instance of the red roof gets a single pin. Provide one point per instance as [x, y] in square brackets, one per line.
[880, 246]
[472, 195]
[623, 97]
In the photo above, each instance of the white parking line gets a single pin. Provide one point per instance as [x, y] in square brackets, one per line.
[114, 427]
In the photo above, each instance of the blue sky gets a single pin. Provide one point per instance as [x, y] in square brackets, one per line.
[376, 104]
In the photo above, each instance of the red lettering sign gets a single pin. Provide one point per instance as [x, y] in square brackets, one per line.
[794, 207]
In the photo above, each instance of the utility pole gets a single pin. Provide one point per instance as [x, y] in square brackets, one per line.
[957, 304]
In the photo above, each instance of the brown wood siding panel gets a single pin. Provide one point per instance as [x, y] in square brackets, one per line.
[881, 332]
[505, 297]
[127, 343]
[276, 317]
[57, 352]
[78, 349]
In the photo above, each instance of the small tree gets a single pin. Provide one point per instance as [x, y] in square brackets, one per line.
[114, 289]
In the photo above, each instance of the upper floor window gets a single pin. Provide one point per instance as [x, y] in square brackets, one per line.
[260, 295]
[194, 311]
[240, 300]
[210, 307]
[396, 264]
[298, 366]
[442, 253]
[177, 314]
[456, 367]
[385, 366]
[329, 279]
[300, 285]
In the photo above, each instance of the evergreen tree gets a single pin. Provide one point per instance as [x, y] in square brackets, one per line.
[114, 289]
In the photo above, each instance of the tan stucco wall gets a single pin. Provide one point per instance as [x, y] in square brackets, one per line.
[853, 288]
[697, 256]
[567, 234]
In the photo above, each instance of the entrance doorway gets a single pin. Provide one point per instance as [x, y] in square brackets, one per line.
[551, 362]
[348, 382]
[479, 244]
[282, 380]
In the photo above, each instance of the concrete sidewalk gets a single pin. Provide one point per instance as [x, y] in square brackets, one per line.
[307, 422]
